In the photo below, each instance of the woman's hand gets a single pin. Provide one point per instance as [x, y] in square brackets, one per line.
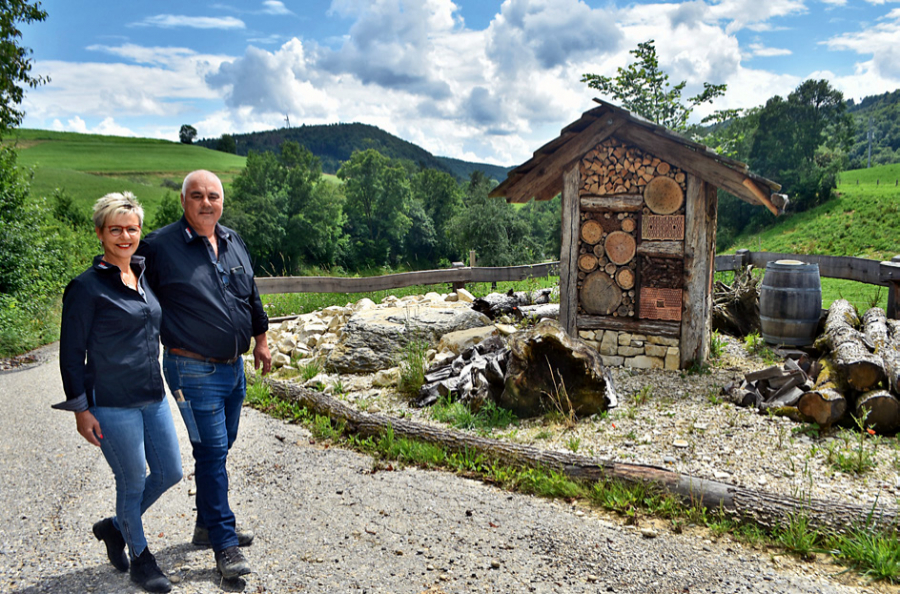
[89, 427]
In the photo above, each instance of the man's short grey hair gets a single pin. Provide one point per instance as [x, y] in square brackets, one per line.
[114, 204]
[190, 175]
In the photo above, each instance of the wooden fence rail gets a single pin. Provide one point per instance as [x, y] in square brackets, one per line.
[455, 276]
[873, 272]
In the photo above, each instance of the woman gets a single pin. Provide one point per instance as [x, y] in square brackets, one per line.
[109, 359]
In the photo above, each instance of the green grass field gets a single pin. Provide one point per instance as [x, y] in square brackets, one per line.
[862, 221]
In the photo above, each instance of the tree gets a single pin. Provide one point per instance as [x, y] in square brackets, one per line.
[226, 144]
[168, 211]
[801, 140]
[644, 89]
[378, 202]
[187, 134]
[492, 227]
[441, 197]
[15, 63]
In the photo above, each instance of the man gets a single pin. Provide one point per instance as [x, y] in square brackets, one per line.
[201, 273]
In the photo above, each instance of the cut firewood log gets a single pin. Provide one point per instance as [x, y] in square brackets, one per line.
[663, 195]
[587, 262]
[599, 251]
[852, 359]
[620, 247]
[628, 225]
[625, 278]
[825, 403]
[591, 232]
[889, 350]
[599, 294]
[880, 409]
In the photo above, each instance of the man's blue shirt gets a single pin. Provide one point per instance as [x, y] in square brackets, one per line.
[211, 306]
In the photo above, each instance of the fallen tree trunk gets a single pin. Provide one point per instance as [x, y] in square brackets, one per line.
[861, 369]
[766, 509]
[891, 357]
[825, 403]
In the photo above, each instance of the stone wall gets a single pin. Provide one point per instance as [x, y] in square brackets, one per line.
[634, 350]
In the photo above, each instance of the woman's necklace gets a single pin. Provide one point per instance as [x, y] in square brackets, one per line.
[130, 281]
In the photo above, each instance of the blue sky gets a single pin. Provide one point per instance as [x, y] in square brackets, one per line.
[470, 79]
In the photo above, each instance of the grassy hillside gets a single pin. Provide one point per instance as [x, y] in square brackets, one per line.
[87, 166]
[862, 221]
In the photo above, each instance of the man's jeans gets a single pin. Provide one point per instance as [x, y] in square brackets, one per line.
[215, 392]
[133, 439]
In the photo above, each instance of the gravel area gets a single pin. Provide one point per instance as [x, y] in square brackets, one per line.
[330, 521]
[680, 421]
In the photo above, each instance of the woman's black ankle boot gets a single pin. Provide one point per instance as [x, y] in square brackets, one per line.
[106, 531]
[146, 573]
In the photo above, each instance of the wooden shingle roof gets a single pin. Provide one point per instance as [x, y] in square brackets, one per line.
[541, 177]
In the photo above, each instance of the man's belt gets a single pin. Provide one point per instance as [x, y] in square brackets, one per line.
[190, 355]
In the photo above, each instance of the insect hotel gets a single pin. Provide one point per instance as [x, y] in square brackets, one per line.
[638, 233]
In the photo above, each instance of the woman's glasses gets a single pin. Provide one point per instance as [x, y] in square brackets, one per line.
[116, 230]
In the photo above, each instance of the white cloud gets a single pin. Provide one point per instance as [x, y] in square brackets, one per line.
[757, 49]
[275, 7]
[170, 21]
[878, 41]
[742, 14]
[107, 127]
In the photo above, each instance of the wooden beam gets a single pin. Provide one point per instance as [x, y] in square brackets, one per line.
[751, 185]
[635, 326]
[568, 267]
[549, 173]
[699, 255]
[617, 203]
[661, 249]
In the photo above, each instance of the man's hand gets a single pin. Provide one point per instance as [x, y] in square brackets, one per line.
[261, 354]
[89, 427]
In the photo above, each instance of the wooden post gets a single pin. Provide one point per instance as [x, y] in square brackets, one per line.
[568, 267]
[471, 258]
[457, 285]
[890, 274]
[699, 264]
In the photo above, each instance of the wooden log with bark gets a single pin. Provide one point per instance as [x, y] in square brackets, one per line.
[735, 309]
[769, 510]
[860, 368]
[880, 410]
[825, 403]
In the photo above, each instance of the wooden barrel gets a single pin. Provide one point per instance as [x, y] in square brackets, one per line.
[790, 302]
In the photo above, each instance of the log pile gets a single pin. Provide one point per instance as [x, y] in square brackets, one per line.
[735, 308]
[621, 186]
[855, 377]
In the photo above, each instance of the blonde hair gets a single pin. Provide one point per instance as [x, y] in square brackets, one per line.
[115, 204]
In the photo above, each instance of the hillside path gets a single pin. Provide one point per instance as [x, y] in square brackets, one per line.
[326, 523]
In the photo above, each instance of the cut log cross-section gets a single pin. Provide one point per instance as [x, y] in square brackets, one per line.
[663, 195]
[620, 247]
[625, 278]
[587, 262]
[591, 232]
[880, 409]
[599, 294]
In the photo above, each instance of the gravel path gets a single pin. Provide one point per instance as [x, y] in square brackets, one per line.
[327, 522]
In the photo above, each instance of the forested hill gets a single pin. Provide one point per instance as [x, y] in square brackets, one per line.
[884, 111]
[334, 143]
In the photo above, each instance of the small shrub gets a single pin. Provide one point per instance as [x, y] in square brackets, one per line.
[412, 367]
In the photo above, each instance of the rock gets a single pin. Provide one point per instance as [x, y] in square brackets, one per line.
[433, 297]
[644, 362]
[680, 443]
[649, 533]
[610, 344]
[363, 304]
[286, 342]
[543, 359]
[386, 377]
[452, 298]
[280, 360]
[457, 342]
[464, 296]
[506, 329]
[374, 338]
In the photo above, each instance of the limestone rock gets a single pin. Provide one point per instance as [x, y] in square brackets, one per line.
[386, 377]
[280, 360]
[459, 341]
[464, 296]
[374, 338]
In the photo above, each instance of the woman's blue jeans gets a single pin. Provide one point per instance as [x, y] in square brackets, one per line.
[134, 439]
[215, 392]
